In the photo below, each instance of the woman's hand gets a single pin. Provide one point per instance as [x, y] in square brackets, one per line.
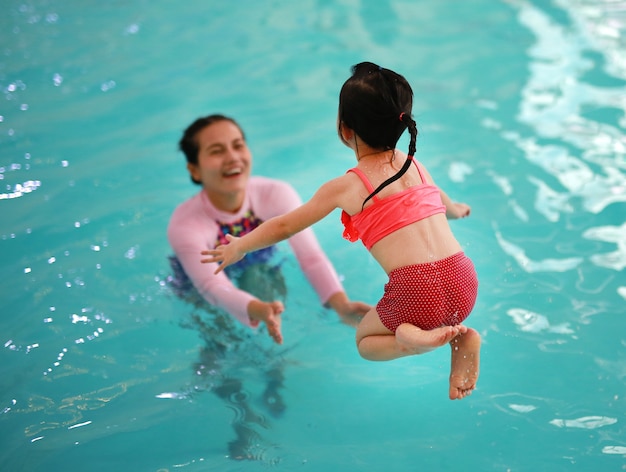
[350, 312]
[224, 254]
[268, 313]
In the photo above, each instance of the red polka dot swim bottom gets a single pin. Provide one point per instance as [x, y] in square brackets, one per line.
[430, 295]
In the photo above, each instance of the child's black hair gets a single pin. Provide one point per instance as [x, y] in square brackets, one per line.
[376, 104]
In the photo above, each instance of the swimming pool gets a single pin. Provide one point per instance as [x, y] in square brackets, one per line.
[520, 107]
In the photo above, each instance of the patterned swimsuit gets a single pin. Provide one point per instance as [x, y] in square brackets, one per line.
[240, 228]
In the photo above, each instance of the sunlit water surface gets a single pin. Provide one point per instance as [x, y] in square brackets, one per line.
[521, 111]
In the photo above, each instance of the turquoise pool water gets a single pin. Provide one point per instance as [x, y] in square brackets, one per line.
[521, 111]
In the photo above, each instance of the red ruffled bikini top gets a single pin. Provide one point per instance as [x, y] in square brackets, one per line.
[388, 214]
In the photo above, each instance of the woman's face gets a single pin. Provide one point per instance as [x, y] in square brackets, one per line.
[224, 164]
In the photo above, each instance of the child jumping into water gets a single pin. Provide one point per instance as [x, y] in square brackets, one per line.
[401, 220]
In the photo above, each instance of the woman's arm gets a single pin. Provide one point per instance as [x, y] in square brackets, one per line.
[278, 198]
[190, 231]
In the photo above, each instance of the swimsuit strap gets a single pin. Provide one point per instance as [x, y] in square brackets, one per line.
[370, 187]
[364, 179]
[419, 169]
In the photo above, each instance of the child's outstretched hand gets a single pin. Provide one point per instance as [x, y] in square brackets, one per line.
[457, 210]
[225, 254]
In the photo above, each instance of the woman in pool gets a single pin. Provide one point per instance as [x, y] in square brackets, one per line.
[401, 220]
[232, 202]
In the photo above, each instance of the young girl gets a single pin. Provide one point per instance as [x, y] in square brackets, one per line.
[390, 202]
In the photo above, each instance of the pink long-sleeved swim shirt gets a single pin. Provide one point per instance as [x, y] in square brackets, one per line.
[193, 227]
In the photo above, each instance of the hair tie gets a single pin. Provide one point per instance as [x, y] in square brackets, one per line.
[401, 116]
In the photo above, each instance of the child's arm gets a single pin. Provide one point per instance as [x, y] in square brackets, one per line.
[454, 210]
[280, 227]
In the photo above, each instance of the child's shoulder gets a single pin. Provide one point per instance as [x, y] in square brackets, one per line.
[344, 179]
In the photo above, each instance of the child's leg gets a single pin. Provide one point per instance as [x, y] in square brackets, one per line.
[465, 364]
[376, 343]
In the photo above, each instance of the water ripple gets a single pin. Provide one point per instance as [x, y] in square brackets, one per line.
[529, 265]
[615, 260]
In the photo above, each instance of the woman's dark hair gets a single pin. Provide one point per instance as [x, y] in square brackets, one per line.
[376, 104]
[188, 144]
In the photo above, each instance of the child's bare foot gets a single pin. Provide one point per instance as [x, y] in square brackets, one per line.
[465, 364]
[418, 341]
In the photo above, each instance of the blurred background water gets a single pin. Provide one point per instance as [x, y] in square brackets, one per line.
[521, 111]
